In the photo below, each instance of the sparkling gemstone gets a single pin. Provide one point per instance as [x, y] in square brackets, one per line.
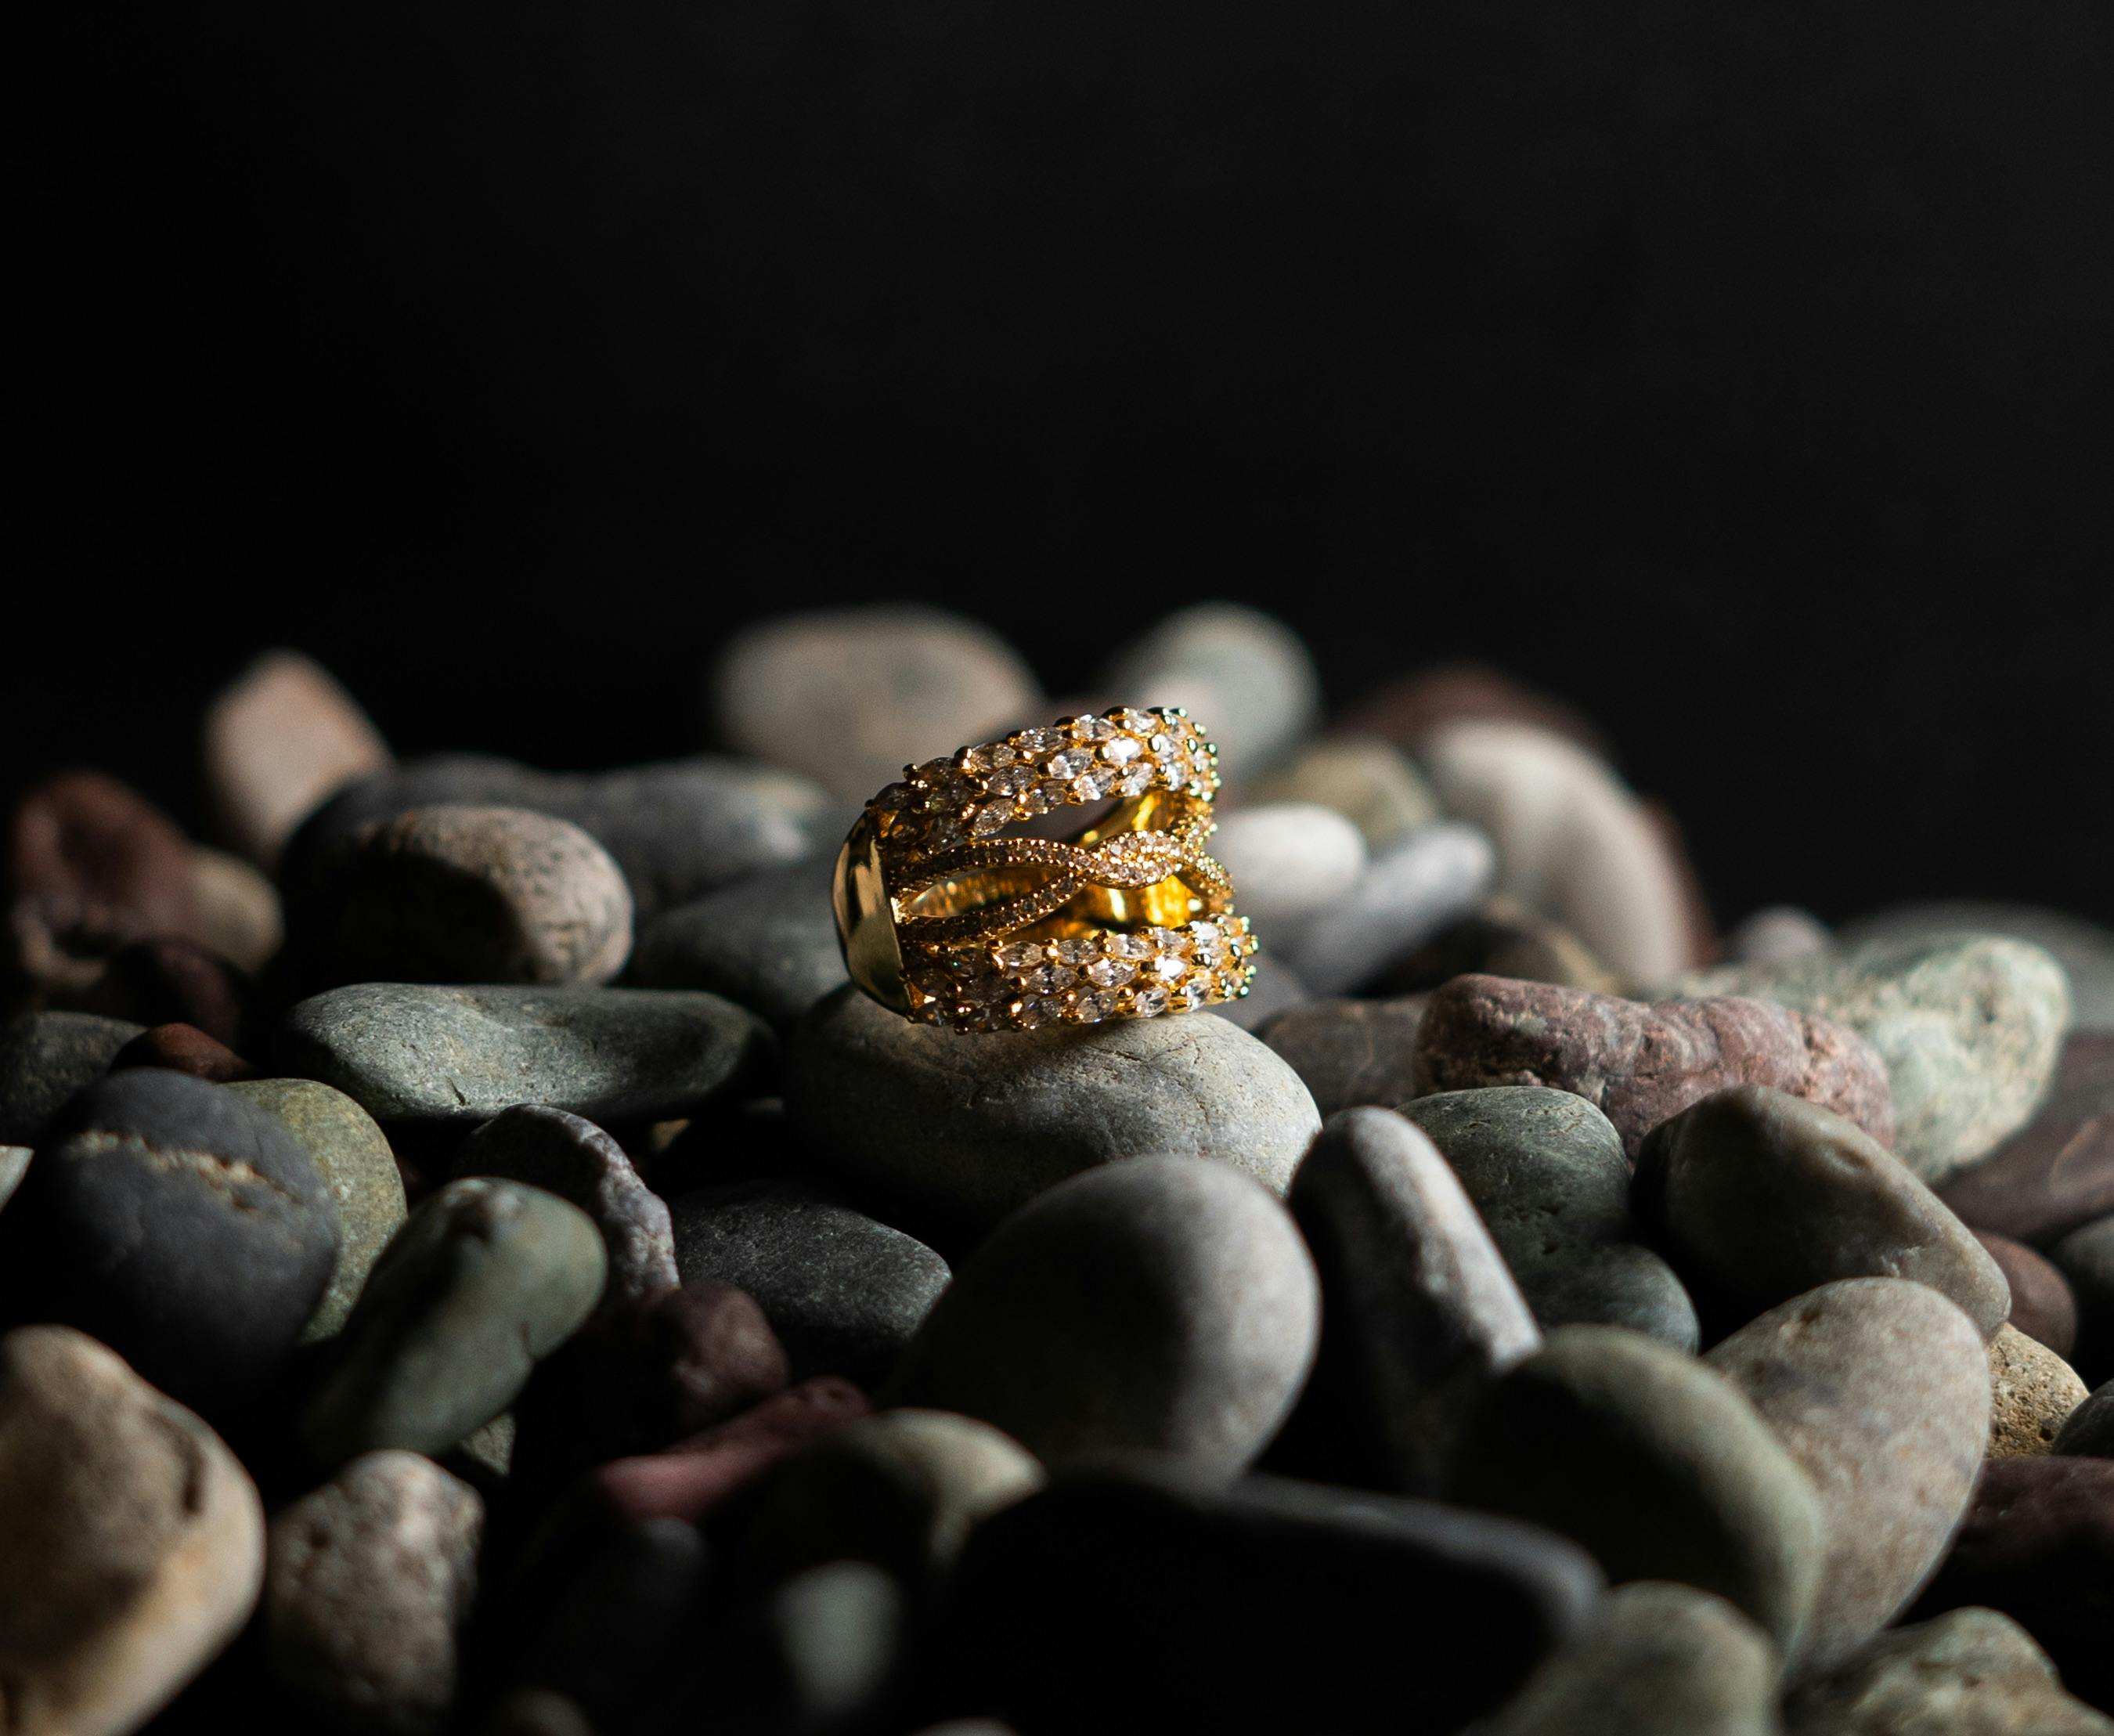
[1136, 782]
[1091, 729]
[1075, 950]
[1127, 946]
[1051, 795]
[1091, 1008]
[944, 830]
[1168, 940]
[1161, 742]
[1042, 1008]
[1108, 972]
[1051, 979]
[1091, 786]
[1170, 968]
[1010, 782]
[1148, 1001]
[1020, 954]
[1122, 751]
[995, 817]
[1070, 764]
[1136, 720]
[1196, 991]
[933, 770]
[1034, 743]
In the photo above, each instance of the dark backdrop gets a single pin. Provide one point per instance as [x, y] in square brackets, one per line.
[1745, 373]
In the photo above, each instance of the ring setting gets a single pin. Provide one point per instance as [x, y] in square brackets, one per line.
[948, 919]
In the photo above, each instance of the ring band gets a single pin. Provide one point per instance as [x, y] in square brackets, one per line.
[946, 921]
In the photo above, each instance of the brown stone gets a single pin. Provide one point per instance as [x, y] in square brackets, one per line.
[184, 1048]
[2041, 1305]
[169, 981]
[1641, 1063]
[1348, 1053]
[2031, 1392]
[2057, 1171]
[237, 910]
[1502, 939]
[1406, 711]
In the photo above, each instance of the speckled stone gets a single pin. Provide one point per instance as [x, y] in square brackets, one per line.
[2085, 1257]
[2041, 1305]
[2032, 1392]
[1968, 1673]
[1546, 1171]
[1420, 1311]
[2084, 950]
[844, 1294]
[568, 1156]
[768, 943]
[1165, 1304]
[367, 1587]
[462, 894]
[1657, 1465]
[1658, 1659]
[1637, 1063]
[135, 1540]
[47, 1057]
[1244, 676]
[353, 1158]
[1371, 783]
[1351, 1052]
[408, 1052]
[1880, 1389]
[1292, 862]
[2057, 1171]
[1411, 890]
[483, 1279]
[902, 1490]
[1969, 1030]
[1766, 1196]
[2087, 1432]
[960, 1130]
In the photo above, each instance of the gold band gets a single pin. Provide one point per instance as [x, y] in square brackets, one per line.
[945, 920]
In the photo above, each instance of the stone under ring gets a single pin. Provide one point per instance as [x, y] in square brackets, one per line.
[948, 915]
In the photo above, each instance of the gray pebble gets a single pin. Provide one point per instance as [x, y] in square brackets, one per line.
[14, 1166]
[1778, 932]
[1546, 1171]
[1370, 782]
[1657, 1465]
[568, 1156]
[2089, 1431]
[47, 1057]
[408, 1052]
[960, 1130]
[1291, 863]
[1424, 880]
[768, 943]
[1164, 1303]
[1274, 989]
[1420, 1312]
[1970, 1029]
[2084, 950]
[843, 1293]
[1970, 1672]
[1659, 1659]
[1244, 676]
[1351, 1052]
[483, 1280]
[368, 1587]
[1880, 1389]
[1767, 1196]
[353, 1157]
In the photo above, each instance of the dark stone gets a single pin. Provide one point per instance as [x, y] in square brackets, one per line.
[1070, 1606]
[1274, 991]
[173, 982]
[2088, 1432]
[1406, 711]
[1348, 1053]
[2041, 1305]
[1502, 938]
[1641, 1063]
[2085, 1257]
[184, 1048]
[47, 1057]
[2057, 1171]
[183, 1226]
[843, 1293]
[768, 943]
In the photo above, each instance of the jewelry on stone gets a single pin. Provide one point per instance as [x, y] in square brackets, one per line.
[945, 920]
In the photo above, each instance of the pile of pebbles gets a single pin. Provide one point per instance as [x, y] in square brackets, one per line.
[470, 1263]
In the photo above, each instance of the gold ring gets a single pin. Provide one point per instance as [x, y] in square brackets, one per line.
[946, 918]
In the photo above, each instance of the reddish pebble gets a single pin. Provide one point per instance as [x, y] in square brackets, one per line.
[185, 1048]
[2042, 1306]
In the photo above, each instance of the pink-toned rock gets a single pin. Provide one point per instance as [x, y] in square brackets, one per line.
[1638, 1062]
[278, 741]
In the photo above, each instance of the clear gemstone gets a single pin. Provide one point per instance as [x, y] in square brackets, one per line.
[1076, 951]
[1148, 1001]
[1070, 764]
[1034, 743]
[1161, 742]
[995, 818]
[1122, 751]
[1091, 1008]
[1052, 794]
[1091, 729]
[1051, 979]
[1091, 786]
[944, 830]
[1020, 954]
[933, 770]
[1109, 972]
[1170, 968]
[1136, 782]
[1168, 940]
[1196, 993]
[1011, 781]
[1127, 946]
[1135, 721]
[1042, 1008]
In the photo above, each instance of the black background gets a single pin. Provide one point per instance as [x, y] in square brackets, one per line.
[1743, 374]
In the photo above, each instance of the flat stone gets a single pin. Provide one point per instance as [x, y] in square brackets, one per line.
[277, 741]
[1502, 937]
[464, 894]
[678, 829]
[1657, 1465]
[1640, 1064]
[2085, 1257]
[483, 1279]
[1765, 1196]
[1880, 1389]
[1658, 1659]
[2057, 1171]
[2038, 1544]
[1292, 862]
[1968, 1673]
[768, 943]
[849, 696]
[2041, 1305]
[1969, 1030]
[1776, 933]
[2084, 950]
[1372, 783]
[1351, 1052]
[1571, 839]
[360, 1173]
[183, 1226]
[902, 1490]
[1245, 677]
[566, 1155]
[45, 1058]
[184, 1048]
[844, 1292]
[2087, 1432]
[1164, 1303]
[1423, 881]
[2032, 1392]
[135, 1542]
[961, 1130]
[410, 1051]
[1421, 1314]
[368, 1588]
[1073, 1601]
[1546, 1171]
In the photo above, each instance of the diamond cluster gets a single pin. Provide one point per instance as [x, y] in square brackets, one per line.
[1083, 979]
